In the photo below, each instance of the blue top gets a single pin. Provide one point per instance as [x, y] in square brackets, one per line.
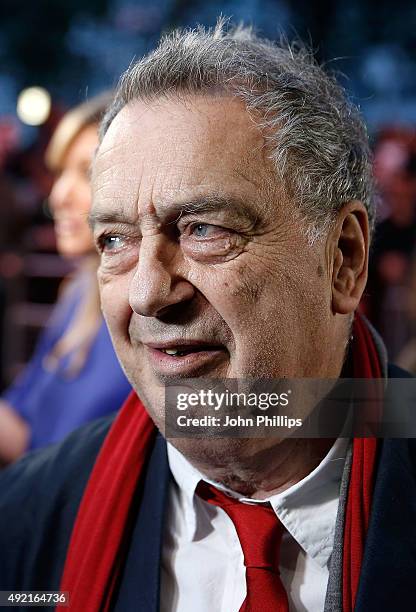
[54, 404]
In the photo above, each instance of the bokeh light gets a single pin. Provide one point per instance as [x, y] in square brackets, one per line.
[33, 105]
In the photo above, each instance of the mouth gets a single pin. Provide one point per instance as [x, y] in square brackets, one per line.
[184, 359]
[183, 351]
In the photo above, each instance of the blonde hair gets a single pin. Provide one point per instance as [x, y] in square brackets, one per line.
[77, 340]
[72, 124]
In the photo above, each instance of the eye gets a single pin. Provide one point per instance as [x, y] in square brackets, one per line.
[204, 230]
[110, 242]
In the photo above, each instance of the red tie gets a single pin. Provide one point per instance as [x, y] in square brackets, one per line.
[260, 533]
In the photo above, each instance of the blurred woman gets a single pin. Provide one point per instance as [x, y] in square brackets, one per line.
[73, 376]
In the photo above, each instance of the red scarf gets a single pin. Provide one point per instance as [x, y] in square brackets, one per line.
[98, 543]
[366, 364]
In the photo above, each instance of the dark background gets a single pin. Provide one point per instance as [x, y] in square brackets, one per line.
[77, 48]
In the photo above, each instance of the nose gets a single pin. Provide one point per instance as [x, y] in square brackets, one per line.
[157, 284]
[62, 192]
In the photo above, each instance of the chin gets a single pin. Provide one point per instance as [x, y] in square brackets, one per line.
[221, 452]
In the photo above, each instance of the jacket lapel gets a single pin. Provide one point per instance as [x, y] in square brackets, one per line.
[388, 574]
[140, 586]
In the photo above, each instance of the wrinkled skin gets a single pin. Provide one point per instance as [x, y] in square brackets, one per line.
[199, 243]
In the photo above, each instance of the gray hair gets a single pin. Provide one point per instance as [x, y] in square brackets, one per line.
[317, 139]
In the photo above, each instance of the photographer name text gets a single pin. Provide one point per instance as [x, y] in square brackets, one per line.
[260, 420]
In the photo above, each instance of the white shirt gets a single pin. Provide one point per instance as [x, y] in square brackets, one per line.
[202, 560]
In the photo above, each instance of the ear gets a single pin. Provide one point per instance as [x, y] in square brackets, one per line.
[350, 244]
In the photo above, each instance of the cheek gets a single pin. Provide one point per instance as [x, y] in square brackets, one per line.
[237, 295]
[261, 306]
[231, 289]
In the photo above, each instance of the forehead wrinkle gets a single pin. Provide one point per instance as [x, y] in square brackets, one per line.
[105, 199]
[239, 173]
[102, 151]
[106, 206]
[119, 185]
[102, 170]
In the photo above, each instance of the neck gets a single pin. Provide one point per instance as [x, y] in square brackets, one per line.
[258, 473]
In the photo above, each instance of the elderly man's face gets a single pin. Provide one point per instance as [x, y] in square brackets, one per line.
[205, 268]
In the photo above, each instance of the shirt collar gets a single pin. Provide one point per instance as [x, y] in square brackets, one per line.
[187, 478]
[308, 509]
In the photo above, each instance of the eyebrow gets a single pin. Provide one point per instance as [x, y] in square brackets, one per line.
[105, 217]
[214, 203]
[176, 210]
